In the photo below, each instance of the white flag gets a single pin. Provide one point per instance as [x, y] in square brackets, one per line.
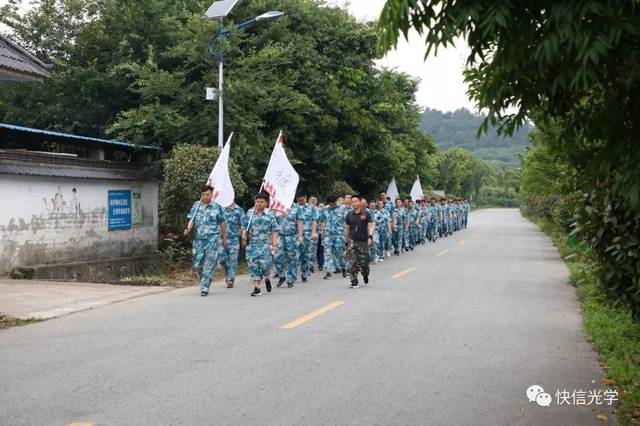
[280, 180]
[392, 191]
[416, 191]
[220, 179]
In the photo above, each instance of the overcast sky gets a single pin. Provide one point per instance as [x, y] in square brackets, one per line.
[442, 84]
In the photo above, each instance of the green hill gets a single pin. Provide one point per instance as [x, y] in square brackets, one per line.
[459, 128]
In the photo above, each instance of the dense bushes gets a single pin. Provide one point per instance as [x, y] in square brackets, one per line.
[592, 210]
[613, 232]
[184, 174]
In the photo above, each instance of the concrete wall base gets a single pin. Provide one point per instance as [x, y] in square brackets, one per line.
[99, 271]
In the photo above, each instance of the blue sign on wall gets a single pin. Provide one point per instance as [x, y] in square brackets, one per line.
[119, 210]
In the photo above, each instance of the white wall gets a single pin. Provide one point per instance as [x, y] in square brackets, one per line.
[41, 221]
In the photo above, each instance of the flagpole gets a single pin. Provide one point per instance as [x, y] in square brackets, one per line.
[200, 200]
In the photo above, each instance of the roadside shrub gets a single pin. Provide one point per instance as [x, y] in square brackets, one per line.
[185, 171]
[612, 230]
[176, 250]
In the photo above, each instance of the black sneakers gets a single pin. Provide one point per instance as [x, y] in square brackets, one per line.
[290, 285]
[354, 284]
[365, 278]
[328, 276]
[267, 283]
[344, 273]
[281, 281]
[204, 293]
[256, 292]
[304, 279]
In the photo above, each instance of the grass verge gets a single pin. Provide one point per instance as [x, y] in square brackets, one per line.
[182, 275]
[612, 329]
[7, 321]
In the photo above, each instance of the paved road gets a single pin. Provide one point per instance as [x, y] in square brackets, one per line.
[455, 341]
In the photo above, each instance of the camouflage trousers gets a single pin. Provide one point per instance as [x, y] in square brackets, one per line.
[205, 258]
[287, 257]
[305, 254]
[334, 253]
[398, 238]
[373, 249]
[259, 261]
[383, 243]
[413, 236]
[229, 259]
[359, 256]
[406, 236]
[433, 230]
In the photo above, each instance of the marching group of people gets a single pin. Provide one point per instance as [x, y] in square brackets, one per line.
[342, 236]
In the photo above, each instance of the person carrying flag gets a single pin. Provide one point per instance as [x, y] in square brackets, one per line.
[260, 237]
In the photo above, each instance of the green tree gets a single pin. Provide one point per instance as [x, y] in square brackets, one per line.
[572, 66]
[136, 70]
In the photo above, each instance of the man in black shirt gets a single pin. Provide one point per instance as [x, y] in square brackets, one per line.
[359, 231]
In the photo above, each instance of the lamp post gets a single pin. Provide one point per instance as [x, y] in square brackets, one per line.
[219, 10]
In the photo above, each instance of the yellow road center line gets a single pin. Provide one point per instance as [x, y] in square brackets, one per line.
[463, 242]
[311, 315]
[403, 273]
[443, 253]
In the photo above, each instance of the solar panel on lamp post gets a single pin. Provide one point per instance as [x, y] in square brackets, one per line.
[219, 10]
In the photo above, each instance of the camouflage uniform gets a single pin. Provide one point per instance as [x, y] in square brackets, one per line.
[234, 217]
[206, 245]
[442, 222]
[359, 255]
[287, 257]
[307, 250]
[398, 235]
[412, 217]
[383, 232]
[424, 222]
[334, 249]
[376, 217]
[449, 212]
[258, 254]
[389, 208]
[433, 223]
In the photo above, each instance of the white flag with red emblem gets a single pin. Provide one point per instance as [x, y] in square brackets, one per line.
[416, 191]
[280, 180]
[220, 179]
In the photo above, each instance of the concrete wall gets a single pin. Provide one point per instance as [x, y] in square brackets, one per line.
[43, 222]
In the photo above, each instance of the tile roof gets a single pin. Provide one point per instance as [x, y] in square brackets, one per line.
[47, 165]
[19, 63]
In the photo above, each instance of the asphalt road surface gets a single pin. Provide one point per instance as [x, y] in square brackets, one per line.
[451, 334]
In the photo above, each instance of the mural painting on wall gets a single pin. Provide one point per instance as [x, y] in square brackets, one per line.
[57, 204]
